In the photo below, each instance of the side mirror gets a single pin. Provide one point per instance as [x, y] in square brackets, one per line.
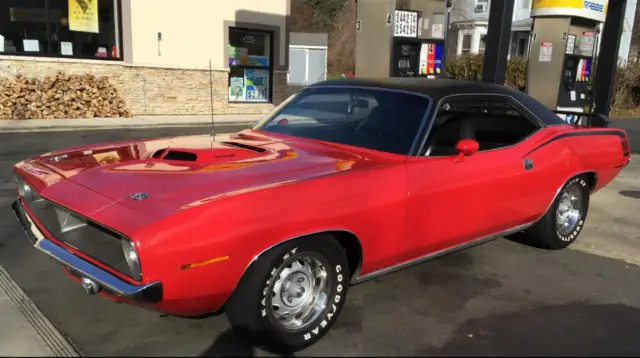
[466, 147]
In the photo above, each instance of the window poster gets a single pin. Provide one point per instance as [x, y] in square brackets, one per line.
[256, 85]
[236, 89]
[83, 16]
[238, 55]
[66, 48]
[31, 45]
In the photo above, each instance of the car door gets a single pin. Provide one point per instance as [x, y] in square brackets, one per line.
[453, 200]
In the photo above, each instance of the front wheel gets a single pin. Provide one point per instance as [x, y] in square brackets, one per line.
[293, 294]
[563, 222]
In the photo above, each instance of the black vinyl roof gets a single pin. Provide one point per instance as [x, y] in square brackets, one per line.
[438, 89]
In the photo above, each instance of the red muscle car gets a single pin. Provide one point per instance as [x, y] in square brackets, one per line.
[345, 181]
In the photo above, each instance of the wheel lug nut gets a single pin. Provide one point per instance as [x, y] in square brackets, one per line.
[289, 300]
[301, 279]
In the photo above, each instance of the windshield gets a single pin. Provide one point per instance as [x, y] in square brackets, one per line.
[377, 119]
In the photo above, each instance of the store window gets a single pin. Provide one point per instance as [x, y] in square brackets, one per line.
[87, 29]
[250, 65]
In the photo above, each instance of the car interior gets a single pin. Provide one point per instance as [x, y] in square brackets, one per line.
[380, 123]
[376, 120]
[492, 127]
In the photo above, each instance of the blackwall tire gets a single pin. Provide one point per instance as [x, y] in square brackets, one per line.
[305, 278]
[563, 222]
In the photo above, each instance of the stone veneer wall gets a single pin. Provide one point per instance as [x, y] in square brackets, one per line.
[153, 90]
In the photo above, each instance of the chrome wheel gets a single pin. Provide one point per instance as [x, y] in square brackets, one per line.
[299, 291]
[569, 209]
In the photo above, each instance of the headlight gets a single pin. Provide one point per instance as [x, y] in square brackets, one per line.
[131, 256]
[24, 189]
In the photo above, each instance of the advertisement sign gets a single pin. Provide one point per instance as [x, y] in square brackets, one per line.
[252, 87]
[256, 82]
[236, 89]
[587, 41]
[431, 59]
[83, 16]
[239, 56]
[589, 9]
[546, 50]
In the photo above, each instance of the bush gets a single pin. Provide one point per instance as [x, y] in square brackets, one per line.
[626, 89]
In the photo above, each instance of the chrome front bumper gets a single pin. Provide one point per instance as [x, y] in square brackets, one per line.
[149, 293]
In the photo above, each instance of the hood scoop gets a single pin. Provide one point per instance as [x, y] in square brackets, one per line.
[232, 151]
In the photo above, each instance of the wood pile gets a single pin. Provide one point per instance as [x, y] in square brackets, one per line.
[60, 96]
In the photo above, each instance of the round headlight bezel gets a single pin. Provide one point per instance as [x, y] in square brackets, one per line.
[132, 258]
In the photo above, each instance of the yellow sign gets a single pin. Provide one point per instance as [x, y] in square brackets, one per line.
[589, 9]
[83, 16]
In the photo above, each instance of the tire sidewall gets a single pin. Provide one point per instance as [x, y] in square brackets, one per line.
[581, 182]
[336, 266]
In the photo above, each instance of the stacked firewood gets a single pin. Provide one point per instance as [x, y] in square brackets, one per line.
[60, 96]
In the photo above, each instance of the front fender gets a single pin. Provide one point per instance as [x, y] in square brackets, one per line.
[200, 253]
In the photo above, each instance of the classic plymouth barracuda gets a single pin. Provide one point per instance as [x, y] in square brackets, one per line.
[345, 181]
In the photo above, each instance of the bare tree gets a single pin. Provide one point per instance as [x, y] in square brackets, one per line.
[302, 17]
[342, 41]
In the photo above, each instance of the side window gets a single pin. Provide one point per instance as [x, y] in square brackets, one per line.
[494, 123]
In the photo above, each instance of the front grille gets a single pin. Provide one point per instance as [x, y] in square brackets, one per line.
[93, 240]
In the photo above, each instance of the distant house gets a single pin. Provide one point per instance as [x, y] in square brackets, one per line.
[470, 18]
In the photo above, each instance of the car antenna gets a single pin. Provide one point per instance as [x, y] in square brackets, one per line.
[213, 131]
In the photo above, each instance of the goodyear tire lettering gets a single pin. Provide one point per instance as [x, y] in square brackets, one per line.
[334, 308]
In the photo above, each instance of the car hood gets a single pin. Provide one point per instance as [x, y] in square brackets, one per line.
[186, 171]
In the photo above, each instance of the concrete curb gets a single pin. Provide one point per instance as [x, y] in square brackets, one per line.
[44, 128]
[45, 329]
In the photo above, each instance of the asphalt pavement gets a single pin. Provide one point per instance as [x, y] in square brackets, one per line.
[502, 298]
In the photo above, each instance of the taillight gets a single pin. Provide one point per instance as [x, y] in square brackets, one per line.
[625, 146]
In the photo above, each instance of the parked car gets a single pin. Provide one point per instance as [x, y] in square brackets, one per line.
[345, 181]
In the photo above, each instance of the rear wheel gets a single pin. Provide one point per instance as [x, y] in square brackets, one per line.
[563, 222]
[292, 295]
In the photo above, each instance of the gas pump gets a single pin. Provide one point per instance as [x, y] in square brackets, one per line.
[575, 92]
[405, 58]
[561, 58]
[410, 43]
[417, 58]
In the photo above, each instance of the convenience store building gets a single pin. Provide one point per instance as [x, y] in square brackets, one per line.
[157, 53]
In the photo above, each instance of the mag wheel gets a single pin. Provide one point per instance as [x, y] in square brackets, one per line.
[564, 220]
[299, 291]
[292, 295]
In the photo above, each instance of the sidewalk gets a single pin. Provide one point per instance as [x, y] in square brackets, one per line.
[24, 329]
[41, 125]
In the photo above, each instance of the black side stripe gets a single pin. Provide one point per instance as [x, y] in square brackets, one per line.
[577, 134]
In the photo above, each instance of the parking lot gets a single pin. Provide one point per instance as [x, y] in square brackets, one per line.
[502, 298]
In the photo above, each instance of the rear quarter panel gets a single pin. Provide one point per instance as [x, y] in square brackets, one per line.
[599, 150]
[561, 152]
[370, 204]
